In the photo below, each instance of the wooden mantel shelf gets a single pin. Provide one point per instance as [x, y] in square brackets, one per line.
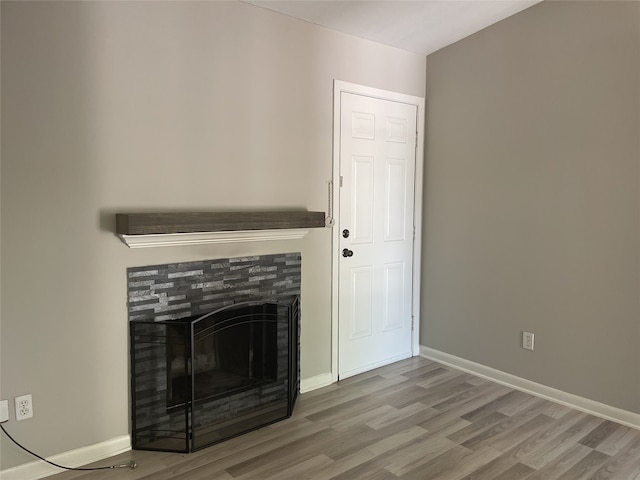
[188, 228]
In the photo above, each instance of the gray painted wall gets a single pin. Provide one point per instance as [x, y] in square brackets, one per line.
[532, 198]
[123, 106]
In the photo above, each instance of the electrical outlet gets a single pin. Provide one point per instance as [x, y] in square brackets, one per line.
[4, 410]
[527, 340]
[24, 407]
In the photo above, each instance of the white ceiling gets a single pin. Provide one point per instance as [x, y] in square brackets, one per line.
[420, 26]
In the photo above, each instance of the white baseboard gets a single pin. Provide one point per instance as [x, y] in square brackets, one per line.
[592, 407]
[319, 381]
[73, 458]
[93, 453]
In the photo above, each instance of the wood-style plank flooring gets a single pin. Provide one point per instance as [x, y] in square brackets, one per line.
[415, 419]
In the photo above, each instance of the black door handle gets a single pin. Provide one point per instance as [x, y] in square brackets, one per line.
[347, 253]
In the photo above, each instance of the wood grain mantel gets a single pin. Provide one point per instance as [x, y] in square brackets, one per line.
[196, 222]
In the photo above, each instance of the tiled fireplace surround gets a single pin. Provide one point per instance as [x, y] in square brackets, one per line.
[175, 291]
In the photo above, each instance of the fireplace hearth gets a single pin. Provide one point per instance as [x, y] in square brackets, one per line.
[202, 378]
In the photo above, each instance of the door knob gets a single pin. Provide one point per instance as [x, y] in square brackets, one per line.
[347, 253]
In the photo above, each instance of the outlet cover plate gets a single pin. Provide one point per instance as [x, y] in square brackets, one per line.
[24, 407]
[4, 410]
[527, 340]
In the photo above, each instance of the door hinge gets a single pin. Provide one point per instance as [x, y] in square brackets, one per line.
[341, 180]
[414, 232]
[412, 318]
[416, 139]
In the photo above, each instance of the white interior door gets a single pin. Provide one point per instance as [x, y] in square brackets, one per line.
[376, 231]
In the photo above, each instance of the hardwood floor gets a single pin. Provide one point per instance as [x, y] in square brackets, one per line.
[415, 419]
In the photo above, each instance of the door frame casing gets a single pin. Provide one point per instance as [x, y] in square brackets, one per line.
[339, 87]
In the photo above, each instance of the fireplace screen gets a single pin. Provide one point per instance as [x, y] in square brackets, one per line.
[200, 380]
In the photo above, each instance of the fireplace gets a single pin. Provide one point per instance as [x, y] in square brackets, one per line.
[229, 350]
[201, 378]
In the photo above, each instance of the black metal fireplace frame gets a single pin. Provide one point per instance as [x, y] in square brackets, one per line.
[152, 334]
